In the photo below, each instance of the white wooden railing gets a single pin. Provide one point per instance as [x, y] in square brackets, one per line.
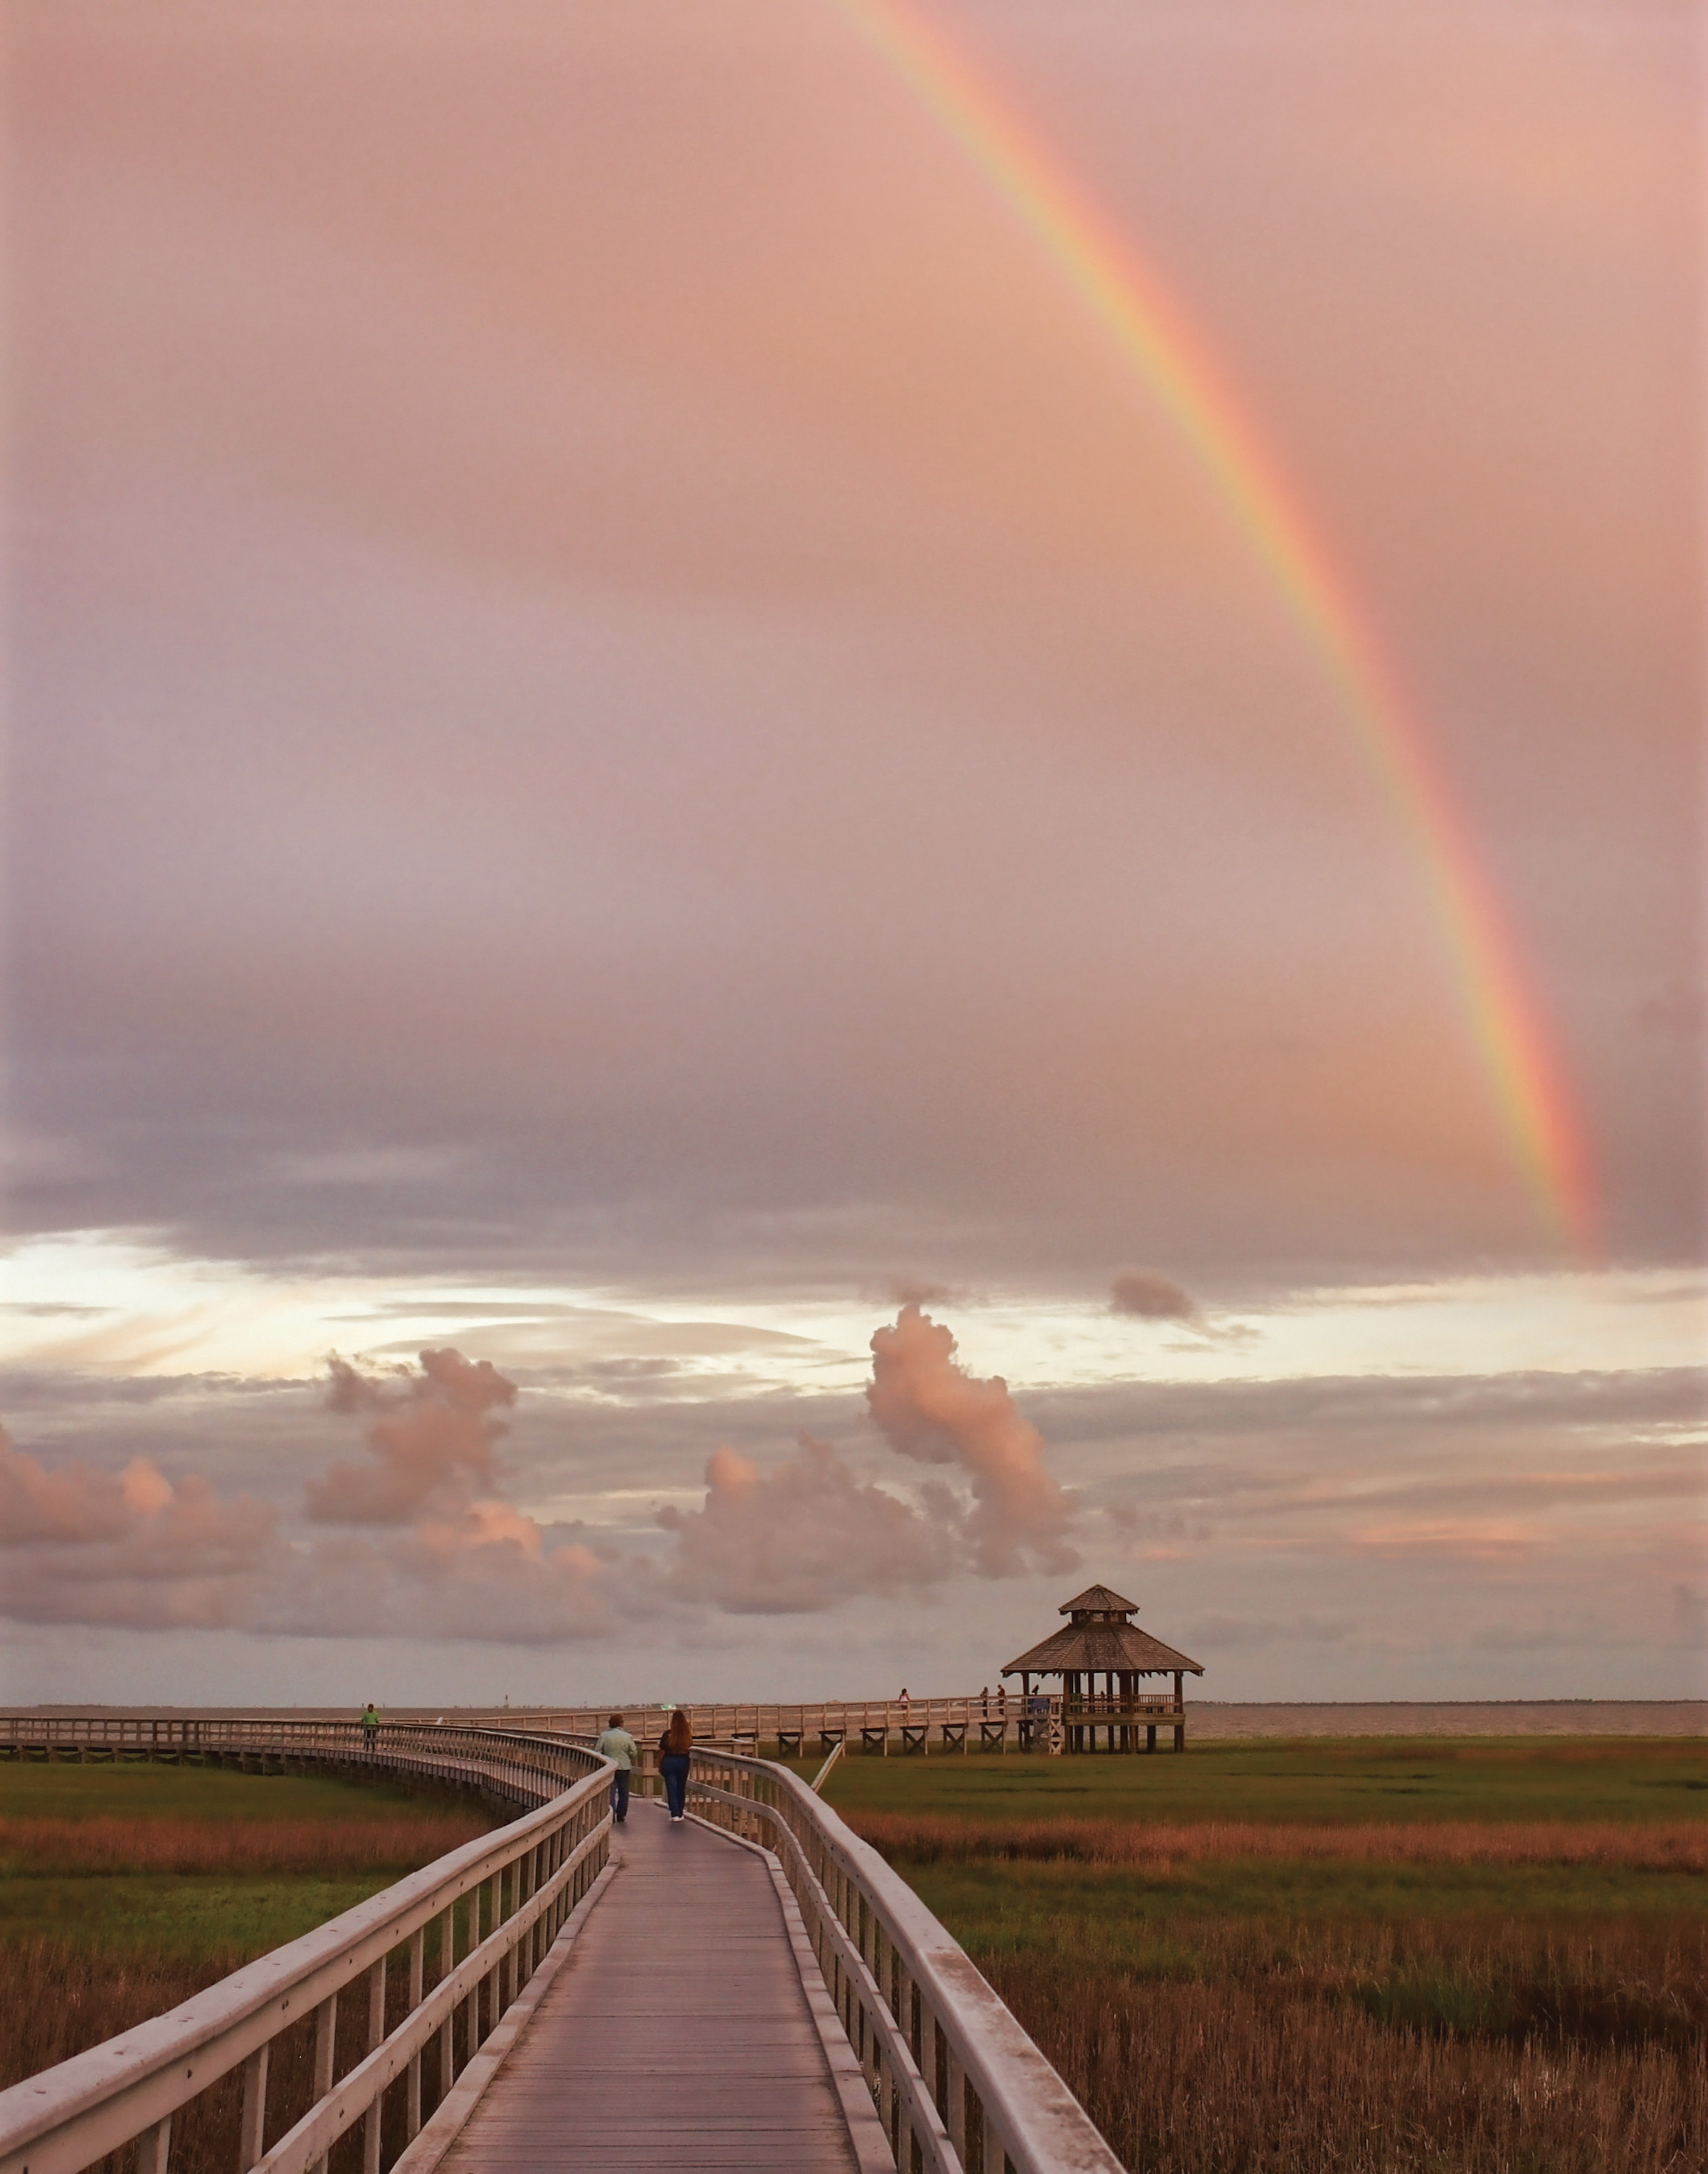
[959, 2087]
[507, 1894]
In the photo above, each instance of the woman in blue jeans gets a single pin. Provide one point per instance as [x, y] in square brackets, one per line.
[673, 1748]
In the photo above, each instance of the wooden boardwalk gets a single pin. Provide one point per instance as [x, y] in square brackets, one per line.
[679, 2033]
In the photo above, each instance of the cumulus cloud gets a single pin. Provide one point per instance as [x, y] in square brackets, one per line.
[487, 1575]
[453, 1555]
[804, 1535]
[930, 1409]
[1145, 1296]
[442, 1557]
[74, 1503]
[429, 1436]
[131, 1548]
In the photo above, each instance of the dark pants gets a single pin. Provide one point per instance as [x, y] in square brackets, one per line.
[619, 1793]
[674, 1766]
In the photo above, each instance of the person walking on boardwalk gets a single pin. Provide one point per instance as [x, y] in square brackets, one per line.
[673, 1747]
[370, 1727]
[617, 1745]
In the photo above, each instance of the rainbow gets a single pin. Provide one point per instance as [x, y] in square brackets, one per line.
[1504, 1016]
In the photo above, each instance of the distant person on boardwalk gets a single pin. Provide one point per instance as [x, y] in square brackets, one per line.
[618, 1746]
[673, 1748]
[905, 1703]
[370, 1727]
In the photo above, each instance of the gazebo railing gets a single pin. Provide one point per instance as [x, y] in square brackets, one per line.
[1101, 1705]
[513, 1890]
[958, 2086]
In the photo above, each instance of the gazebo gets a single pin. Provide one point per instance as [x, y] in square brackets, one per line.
[1102, 1639]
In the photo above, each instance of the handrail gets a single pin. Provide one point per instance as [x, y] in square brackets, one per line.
[959, 2086]
[532, 1874]
[964, 1721]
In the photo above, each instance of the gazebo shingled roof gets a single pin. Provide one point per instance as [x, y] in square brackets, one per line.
[1100, 1638]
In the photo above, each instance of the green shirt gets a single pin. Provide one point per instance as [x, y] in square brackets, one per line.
[618, 1744]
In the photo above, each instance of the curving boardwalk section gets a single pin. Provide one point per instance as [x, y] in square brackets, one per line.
[754, 1989]
[679, 2033]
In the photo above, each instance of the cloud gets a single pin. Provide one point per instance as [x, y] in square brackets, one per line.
[74, 1503]
[913, 1291]
[804, 1535]
[1148, 1296]
[486, 1575]
[429, 1434]
[930, 1409]
[136, 1549]
[131, 1548]
[1213, 1632]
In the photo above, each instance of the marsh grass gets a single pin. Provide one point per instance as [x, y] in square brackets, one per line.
[125, 1891]
[114, 1845]
[925, 1838]
[1476, 2042]
[57, 1997]
[1326, 1960]
[1238, 2076]
[1626, 1781]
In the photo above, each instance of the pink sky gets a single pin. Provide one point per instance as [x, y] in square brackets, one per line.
[614, 689]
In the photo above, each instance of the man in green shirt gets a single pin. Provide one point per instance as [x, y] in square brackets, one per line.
[618, 1746]
[370, 1727]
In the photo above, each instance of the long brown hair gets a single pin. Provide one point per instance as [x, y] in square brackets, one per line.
[679, 1734]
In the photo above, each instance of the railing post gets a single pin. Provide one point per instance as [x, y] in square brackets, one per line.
[418, 1972]
[250, 2144]
[376, 2033]
[325, 2034]
[954, 2113]
[154, 2147]
[471, 2004]
[447, 1963]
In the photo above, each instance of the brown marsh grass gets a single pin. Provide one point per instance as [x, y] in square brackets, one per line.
[925, 1838]
[57, 1997]
[1257, 2077]
[1567, 2037]
[246, 1848]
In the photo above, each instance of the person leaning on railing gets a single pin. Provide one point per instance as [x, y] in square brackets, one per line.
[618, 1746]
[673, 1748]
[370, 1727]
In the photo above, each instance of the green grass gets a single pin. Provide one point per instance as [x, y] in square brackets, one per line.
[1348, 1780]
[27, 1790]
[192, 1914]
[178, 1914]
[1072, 1911]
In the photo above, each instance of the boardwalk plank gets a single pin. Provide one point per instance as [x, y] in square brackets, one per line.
[678, 2033]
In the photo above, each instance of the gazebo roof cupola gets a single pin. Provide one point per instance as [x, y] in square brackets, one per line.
[1098, 1605]
[1100, 1635]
